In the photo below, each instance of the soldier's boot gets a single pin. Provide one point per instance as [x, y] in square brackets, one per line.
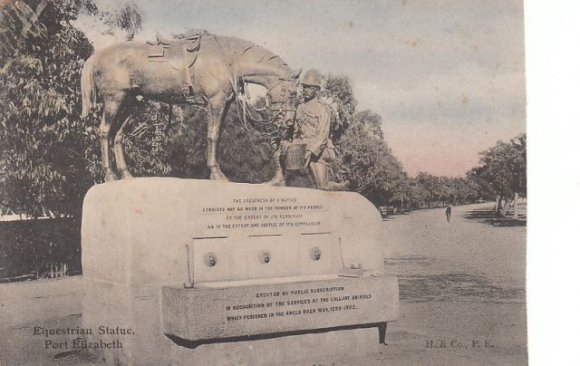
[279, 180]
[335, 186]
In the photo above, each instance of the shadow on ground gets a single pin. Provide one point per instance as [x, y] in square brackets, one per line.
[456, 287]
[491, 218]
[423, 279]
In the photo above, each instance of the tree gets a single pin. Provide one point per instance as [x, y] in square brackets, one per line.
[419, 194]
[364, 157]
[483, 188]
[465, 191]
[127, 18]
[339, 96]
[44, 144]
[429, 187]
[398, 184]
[48, 155]
[503, 168]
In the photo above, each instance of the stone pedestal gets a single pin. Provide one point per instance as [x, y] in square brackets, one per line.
[197, 272]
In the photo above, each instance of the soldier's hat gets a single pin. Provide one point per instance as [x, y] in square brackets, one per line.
[312, 77]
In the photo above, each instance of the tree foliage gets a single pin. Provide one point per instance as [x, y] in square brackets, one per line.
[367, 162]
[46, 151]
[502, 169]
[339, 96]
[436, 191]
[48, 155]
[127, 18]
[172, 141]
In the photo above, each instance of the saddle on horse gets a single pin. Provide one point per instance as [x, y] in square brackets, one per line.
[180, 53]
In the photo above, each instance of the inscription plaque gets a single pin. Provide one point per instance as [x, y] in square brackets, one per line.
[212, 313]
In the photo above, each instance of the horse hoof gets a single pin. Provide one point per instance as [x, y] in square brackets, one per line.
[277, 183]
[334, 186]
[126, 175]
[110, 177]
[219, 176]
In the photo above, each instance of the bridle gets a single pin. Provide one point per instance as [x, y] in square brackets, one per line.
[285, 103]
[252, 117]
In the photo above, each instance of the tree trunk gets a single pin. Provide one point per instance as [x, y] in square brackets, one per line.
[516, 213]
[497, 206]
[505, 208]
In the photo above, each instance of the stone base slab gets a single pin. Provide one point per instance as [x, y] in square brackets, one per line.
[206, 314]
[303, 349]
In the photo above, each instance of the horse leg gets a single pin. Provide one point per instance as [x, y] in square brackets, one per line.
[110, 111]
[118, 150]
[217, 107]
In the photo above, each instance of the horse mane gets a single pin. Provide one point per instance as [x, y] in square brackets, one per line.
[251, 60]
[252, 53]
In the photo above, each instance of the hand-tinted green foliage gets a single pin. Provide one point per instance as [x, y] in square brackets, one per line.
[47, 155]
[433, 191]
[127, 18]
[341, 100]
[502, 168]
[364, 156]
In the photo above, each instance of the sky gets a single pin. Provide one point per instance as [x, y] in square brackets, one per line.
[447, 77]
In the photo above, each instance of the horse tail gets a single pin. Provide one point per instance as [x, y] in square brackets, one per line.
[88, 87]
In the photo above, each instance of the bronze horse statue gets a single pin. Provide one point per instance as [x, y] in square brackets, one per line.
[208, 68]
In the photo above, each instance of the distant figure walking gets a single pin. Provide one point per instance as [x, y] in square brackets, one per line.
[448, 213]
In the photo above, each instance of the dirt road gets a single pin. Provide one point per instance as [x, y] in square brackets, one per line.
[462, 287]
